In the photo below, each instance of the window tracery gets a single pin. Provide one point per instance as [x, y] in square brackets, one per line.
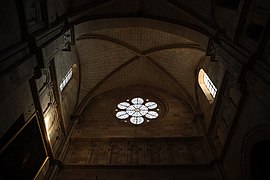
[137, 110]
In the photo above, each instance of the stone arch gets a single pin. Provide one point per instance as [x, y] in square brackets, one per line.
[252, 142]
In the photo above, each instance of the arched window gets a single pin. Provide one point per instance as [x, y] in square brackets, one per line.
[66, 79]
[207, 86]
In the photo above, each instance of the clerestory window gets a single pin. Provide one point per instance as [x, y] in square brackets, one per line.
[66, 79]
[207, 86]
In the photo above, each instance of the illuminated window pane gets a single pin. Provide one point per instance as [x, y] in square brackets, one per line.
[123, 105]
[207, 86]
[151, 105]
[136, 120]
[143, 110]
[122, 115]
[152, 115]
[66, 79]
[210, 85]
[130, 110]
[137, 101]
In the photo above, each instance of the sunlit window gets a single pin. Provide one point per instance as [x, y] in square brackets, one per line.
[137, 110]
[210, 86]
[66, 79]
[207, 86]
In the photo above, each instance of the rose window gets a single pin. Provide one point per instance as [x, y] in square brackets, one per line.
[138, 110]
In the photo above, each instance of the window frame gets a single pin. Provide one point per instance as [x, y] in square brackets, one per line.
[207, 86]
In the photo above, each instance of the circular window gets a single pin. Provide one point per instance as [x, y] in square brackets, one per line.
[137, 111]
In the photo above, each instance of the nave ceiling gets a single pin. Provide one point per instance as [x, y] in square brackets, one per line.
[138, 52]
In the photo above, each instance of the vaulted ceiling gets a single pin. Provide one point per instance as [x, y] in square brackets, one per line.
[116, 53]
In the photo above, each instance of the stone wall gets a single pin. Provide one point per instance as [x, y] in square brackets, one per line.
[137, 152]
[98, 118]
[135, 173]
[32, 32]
